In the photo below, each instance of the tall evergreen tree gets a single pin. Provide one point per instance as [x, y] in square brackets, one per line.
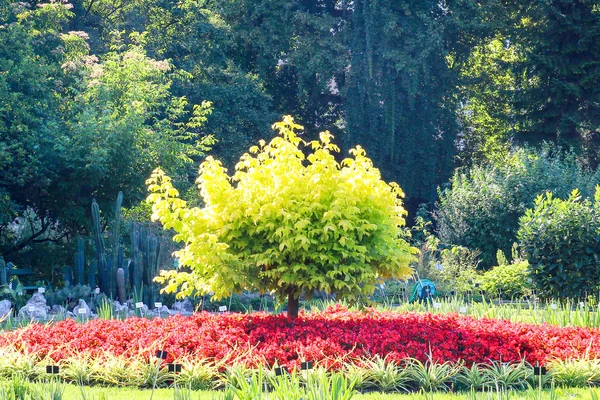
[399, 93]
[560, 72]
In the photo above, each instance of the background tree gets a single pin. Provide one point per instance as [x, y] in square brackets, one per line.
[399, 93]
[287, 223]
[482, 207]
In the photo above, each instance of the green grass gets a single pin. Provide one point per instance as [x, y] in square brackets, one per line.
[73, 392]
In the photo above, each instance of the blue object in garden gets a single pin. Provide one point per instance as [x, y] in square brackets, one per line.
[424, 290]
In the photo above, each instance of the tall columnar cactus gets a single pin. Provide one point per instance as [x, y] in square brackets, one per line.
[138, 266]
[3, 274]
[100, 254]
[145, 252]
[80, 261]
[116, 236]
[121, 285]
[92, 274]
[68, 275]
[107, 267]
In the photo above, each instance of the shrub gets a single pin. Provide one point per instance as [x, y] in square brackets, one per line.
[508, 279]
[482, 207]
[457, 270]
[560, 238]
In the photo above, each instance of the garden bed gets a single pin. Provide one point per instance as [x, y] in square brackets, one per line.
[328, 338]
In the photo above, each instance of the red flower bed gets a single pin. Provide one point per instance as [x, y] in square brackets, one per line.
[328, 337]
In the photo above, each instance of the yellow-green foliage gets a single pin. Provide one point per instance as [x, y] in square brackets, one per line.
[510, 279]
[286, 222]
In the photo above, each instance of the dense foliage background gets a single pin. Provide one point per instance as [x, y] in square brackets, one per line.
[94, 94]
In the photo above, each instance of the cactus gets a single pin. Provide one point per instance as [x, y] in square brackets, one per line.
[145, 252]
[68, 275]
[92, 274]
[116, 235]
[138, 267]
[107, 267]
[3, 275]
[121, 285]
[80, 261]
[101, 256]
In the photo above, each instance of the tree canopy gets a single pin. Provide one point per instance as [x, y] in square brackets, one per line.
[286, 222]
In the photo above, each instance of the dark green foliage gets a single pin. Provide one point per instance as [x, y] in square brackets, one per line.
[482, 207]
[561, 240]
[559, 76]
[3, 275]
[399, 93]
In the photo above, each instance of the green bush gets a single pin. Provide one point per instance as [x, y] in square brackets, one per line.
[510, 279]
[561, 241]
[482, 207]
[457, 270]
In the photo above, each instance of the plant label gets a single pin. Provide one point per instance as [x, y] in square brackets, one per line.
[97, 290]
[463, 310]
[306, 365]
[437, 305]
[537, 371]
[52, 369]
[161, 354]
[280, 371]
[31, 309]
[174, 368]
[223, 308]
[41, 290]
[157, 304]
[553, 306]
[139, 304]
[82, 311]
[582, 304]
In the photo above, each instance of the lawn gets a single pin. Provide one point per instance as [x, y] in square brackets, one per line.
[101, 393]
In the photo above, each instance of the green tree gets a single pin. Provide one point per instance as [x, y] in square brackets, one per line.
[35, 91]
[558, 77]
[482, 207]
[399, 92]
[287, 223]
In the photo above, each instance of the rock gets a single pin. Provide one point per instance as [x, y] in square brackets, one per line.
[183, 306]
[5, 308]
[58, 309]
[163, 310]
[35, 308]
[82, 309]
[121, 309]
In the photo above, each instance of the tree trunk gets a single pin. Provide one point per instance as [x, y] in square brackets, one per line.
[293, 303]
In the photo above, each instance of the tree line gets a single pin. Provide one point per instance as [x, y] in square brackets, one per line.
[97, 93]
